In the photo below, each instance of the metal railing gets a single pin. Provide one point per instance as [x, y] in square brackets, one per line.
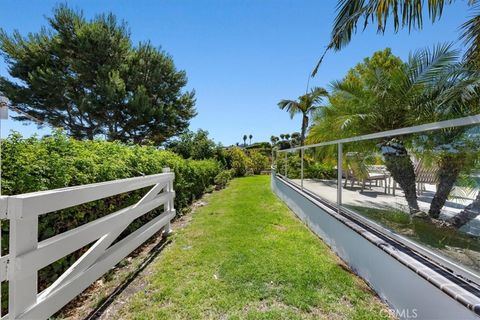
[460, 122]
[27, 255]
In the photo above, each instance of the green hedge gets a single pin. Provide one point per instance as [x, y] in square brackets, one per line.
[35, 164]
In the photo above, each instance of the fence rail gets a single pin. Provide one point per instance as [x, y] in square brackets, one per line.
[27, 255]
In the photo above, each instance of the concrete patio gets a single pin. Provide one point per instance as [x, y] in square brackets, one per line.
[375, 197]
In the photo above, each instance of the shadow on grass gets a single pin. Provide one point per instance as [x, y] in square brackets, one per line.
[98, 311]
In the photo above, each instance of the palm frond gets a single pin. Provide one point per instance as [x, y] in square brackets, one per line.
[292, 107]
[471, 37]
[404, 14]
[426, 65]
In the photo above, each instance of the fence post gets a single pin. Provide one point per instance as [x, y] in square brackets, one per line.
[169, 205]
[339, 174]
[22, 291]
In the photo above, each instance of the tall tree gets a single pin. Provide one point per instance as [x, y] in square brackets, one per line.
[274, 140]
[194, 145]
[244, 140]
[85, 76]
[404, 14]
[306, 105]
[452, 93]
[250, 138]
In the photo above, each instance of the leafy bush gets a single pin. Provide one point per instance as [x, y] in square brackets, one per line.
[293, 165]
[259, 162]
[312, 168]
[221, 180]
[239, 162]
[36, 164]
[194, 145]
[320, 171]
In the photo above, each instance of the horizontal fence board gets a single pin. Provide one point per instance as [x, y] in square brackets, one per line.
[3, 267]
[56, 247]
[3, 207]
[37, 203]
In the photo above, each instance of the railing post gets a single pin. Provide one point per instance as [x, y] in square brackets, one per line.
[273, 157]
[339, 174]
[22, 291]
[301, 168]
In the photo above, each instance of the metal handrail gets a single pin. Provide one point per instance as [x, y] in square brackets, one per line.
[460, 122]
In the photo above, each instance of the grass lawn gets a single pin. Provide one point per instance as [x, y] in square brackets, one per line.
[245, 256]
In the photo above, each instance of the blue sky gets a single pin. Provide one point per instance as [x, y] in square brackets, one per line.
[240, 56]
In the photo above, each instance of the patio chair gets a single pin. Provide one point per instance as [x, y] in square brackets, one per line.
[425, 175]
[358, 171]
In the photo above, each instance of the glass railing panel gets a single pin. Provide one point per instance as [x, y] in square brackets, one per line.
[422, 186]
[320, 172]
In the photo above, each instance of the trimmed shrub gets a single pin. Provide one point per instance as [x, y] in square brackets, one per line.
[36, 164]
[320, 171]
[259, 162]
[221, 180]
[239, 162]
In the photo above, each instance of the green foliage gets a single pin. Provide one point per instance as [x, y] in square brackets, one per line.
[239, 162]
[88, 78]
[313, 169]
[403, 14]
[320, 171]
[247, 162]
[306, 105]
[194, 145]
[57, 161]
[259, 145]
[221, 180]
[384, 93]
[259, 162]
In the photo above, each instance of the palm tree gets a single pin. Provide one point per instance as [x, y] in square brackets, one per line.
[244, 140]
[295, 138]
[250, 137]
[274, 140]
[305, 105]
[404, 14]
[282, 136]
[470, 212]
[382, 94]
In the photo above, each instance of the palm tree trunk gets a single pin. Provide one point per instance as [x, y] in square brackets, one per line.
[448, 172]
[467, 214]
[304, 129]
[401, 168]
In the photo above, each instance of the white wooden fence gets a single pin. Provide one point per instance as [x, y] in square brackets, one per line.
[26, 255]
